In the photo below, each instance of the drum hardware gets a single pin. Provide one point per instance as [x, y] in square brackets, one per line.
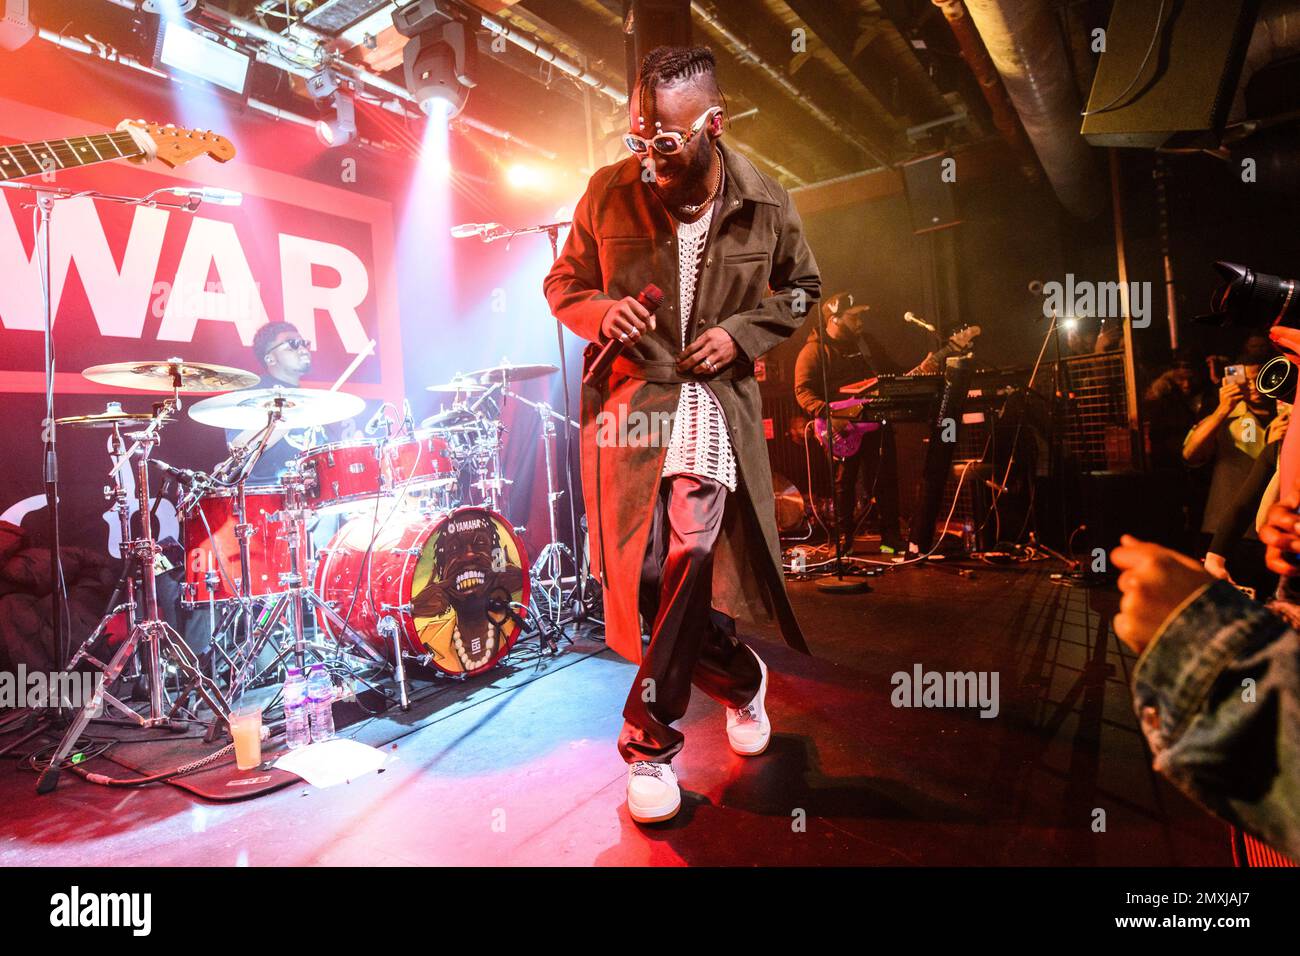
[389, 630]
[295, 598]
[150, 632]
[558, 580]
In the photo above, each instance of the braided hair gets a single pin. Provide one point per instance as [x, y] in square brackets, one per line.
[669, 65]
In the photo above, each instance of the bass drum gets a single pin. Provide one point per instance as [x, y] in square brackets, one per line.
[443, 579]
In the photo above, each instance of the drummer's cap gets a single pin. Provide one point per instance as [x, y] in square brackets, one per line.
[264, 338]
[837, 303]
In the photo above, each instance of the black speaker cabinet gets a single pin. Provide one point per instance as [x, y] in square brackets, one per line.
[1179, 94]
[931, 186]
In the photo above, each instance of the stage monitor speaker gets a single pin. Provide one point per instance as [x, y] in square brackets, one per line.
[1168, 82]
[931, 186]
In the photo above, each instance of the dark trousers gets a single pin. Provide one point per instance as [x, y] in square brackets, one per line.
[690, 643]
[877, 460]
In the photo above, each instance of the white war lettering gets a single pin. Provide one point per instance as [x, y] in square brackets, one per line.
[119, 297]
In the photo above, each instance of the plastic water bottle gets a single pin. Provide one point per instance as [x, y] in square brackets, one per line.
[296, 729]
[320, 703]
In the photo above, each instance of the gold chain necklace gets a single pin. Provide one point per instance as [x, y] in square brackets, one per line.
[713, 191]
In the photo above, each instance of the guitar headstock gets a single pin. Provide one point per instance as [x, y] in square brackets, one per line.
[966, 336]
[177, 145]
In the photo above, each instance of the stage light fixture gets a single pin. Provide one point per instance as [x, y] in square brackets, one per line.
[440, 56]
[323, 84]
[343, 128]
[169, 8]
[326, 85]
[206, 59]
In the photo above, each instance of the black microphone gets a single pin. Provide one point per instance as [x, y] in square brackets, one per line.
[651, 298]
[377, 420]
[408, 416]
[184, 475]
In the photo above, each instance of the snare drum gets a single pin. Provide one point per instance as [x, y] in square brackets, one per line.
[443, 580]
[212, 548]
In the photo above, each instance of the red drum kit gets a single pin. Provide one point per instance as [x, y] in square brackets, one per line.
[422, 570]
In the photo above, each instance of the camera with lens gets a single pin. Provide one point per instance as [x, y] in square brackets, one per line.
[1253, 298]
[1277, 379]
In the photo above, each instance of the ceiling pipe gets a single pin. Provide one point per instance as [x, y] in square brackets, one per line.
[539, 48]
[976, 55]
[315, 46]
[109, 54]
[746, 53]
[1024, 42]
[316, 50]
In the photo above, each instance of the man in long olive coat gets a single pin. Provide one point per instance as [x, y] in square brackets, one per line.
[756, 282]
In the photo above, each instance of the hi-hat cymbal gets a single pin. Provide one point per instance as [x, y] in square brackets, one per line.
[457, 385]
[113, 415]
[515, 373]
[163, 376]
[299, 407]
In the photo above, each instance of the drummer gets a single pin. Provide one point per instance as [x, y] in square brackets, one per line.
[285, 357]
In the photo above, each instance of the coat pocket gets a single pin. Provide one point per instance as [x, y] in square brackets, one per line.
[627, 264]
[741, 282]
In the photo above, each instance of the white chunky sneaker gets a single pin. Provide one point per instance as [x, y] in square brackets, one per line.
[748, 729]
[652, 792]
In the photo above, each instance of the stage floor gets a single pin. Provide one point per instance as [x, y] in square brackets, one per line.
[529, 775]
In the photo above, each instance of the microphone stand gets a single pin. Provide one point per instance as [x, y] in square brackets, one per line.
[552, 229]
[837, 585]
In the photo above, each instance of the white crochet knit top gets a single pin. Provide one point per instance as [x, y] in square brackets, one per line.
[699, 444]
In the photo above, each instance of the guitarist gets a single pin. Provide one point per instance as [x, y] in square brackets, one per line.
[850, 355]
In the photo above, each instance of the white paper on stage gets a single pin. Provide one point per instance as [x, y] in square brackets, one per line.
[332, 762]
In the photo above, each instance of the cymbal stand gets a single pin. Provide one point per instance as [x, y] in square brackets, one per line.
[116, 493]
[555, 569]
[552, 230]
[239, 616]
[155, 633]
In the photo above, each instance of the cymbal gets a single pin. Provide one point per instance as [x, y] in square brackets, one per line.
[466, 384]
[456, 413]
[299, 407]
[111, 416]
[161, 376]
[516, 373]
